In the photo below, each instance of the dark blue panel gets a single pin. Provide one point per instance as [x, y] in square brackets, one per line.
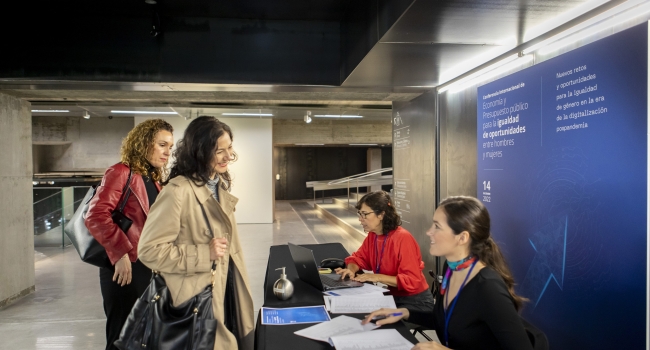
[563, 146]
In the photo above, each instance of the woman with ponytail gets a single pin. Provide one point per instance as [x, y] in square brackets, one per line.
[477, 307]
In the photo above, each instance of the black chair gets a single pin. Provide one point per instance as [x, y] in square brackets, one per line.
[435, 287]
[537, 338]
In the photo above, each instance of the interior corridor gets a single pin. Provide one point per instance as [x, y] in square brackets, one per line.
[66, 311]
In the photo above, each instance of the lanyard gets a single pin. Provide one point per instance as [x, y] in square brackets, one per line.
[453, 304]
[380, 257]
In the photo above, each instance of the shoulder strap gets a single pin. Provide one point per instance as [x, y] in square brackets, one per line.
[127, 189]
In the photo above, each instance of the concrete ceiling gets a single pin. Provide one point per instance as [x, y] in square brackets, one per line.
[405, 48]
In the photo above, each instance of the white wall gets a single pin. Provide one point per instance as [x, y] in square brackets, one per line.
[252, 173]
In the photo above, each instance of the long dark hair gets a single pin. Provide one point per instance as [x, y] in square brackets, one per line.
[197, 149]
[380, 201]
[469, 214]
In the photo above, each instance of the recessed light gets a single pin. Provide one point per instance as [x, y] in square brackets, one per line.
[337, 116]
[142, 112]
[250, 114]
[50, 110]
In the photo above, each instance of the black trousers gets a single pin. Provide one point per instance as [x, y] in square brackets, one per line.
[118, 300]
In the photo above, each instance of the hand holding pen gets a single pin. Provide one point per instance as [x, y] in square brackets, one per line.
[386, 316]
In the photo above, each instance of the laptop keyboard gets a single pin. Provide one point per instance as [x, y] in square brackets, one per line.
[332, 283]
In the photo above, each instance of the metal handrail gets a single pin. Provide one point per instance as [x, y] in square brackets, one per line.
[378, 180]
[359, 176]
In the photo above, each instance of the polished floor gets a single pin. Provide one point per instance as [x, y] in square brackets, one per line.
[66, 312]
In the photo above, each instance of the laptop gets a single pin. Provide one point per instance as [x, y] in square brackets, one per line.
[307, 269]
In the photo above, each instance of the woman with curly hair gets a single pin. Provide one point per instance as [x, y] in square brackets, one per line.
[144, 154]
[390, 252]
[193, 226]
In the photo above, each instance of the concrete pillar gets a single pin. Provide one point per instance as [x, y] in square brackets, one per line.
[16, 211]
[374, 163]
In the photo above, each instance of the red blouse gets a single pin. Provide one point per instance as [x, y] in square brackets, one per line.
[401, 257]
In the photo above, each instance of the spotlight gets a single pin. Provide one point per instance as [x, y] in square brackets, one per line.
[86, 115]
[150, 2]
[307, 117]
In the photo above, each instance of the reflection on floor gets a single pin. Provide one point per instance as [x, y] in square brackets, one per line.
[66, 311]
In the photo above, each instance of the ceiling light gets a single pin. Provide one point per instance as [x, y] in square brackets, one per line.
[150, 2]
[595, 29]
[363, 144]
[142, 112]
[50, 111]
[35, 183]
[337, 116]
[250, 114]
[309, 144]
[86, 115]
[562, 18]
[495, 72]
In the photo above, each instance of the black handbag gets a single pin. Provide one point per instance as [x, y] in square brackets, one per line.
[155, 324]
[90, 251]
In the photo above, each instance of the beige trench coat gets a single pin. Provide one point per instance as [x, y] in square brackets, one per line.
[175, 241]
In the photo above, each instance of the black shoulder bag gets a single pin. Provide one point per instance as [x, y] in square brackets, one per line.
[155, 324]
[90, 251]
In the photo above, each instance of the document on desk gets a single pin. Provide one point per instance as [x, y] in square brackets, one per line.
[365, 289]
[381, 339]
[294, 315]
[337, 326]
[356, 305]
[328, 299]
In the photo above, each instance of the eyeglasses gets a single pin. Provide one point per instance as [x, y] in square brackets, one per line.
[362, 214]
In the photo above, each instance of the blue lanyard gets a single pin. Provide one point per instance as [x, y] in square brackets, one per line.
[451, 308]
[380, 257]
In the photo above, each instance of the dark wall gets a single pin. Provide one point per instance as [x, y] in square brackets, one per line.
[414, 164]
[297, 165]
[364, 24]
[84, 40]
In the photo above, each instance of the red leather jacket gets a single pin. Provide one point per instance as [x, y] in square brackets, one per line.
[106, 199]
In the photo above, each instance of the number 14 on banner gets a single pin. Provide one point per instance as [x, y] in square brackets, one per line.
[486, 191]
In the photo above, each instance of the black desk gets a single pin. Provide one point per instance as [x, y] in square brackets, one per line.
[281, 337]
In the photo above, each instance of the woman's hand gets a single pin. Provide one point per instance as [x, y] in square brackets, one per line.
[367, 277]
[388, 316]
[123, 271]
[432, 345]
[345, 273]
[218, 247]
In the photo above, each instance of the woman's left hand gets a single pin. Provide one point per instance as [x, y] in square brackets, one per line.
[367, 277]
[432, 345]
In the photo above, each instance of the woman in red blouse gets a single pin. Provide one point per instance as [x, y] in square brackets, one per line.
[390, 252]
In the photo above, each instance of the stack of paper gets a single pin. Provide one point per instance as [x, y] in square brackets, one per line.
[338, 326]
[358, 304]
[365, 289]
[384, 339]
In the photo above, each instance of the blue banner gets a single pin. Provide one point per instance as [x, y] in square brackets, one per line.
[562, 168]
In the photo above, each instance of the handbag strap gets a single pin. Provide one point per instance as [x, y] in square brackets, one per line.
[213, 269]
[127, 188]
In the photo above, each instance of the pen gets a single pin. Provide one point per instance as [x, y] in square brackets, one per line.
[381, 317]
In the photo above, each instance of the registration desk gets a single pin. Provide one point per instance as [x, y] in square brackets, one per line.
[272, 337]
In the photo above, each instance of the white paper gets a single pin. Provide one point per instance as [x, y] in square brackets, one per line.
[356, 305]
[365, 289]
[337, 326]
[381, 339]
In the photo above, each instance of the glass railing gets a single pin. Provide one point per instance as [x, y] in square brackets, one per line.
[53, 208]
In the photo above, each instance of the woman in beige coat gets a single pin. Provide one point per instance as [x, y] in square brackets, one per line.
[192, 224]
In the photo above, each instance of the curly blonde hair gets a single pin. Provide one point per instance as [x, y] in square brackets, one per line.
[137, 145]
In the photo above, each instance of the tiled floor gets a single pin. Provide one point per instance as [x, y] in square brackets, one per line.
[66, 312]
